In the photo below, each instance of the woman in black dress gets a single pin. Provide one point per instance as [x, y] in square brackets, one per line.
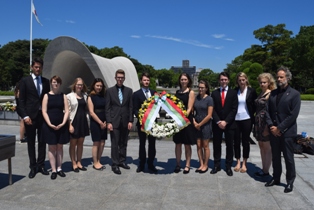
[203, 107]
[98, 128]
[55, 130]
[78, 125]
[261, 131]
[187, 135]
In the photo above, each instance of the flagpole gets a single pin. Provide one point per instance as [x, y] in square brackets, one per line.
[31, 39]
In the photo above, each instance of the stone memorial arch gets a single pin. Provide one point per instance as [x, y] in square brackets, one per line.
[69, 59]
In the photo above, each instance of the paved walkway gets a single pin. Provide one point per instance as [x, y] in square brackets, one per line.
[166, 190]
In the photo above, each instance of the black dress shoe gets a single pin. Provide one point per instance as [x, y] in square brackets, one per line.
[288, 188]
[76, 170]
[82, 169]
[139, 169]
[215, 170]
[32, 173]
[43, 170]
[272, 182]
[53, 175]
[116, 170]
[229, 172]
[61, 173]
[124, 165]
[153, 169]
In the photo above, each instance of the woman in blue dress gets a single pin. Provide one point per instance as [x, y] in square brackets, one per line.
[55, 129]
[203, 107]
[98, 127]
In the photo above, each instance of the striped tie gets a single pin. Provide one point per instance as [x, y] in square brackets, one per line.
[120, 96]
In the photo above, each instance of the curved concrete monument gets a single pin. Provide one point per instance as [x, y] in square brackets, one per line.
[69, 59]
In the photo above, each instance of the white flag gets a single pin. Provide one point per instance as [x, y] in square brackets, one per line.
[34, 12]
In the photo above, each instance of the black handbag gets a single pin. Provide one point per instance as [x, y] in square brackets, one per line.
[307, 144]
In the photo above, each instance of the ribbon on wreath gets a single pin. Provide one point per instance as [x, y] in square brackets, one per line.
[161, 100]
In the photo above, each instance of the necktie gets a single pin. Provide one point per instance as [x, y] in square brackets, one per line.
[120, 95]
[38, 86]
[146, 93]
[223, 97]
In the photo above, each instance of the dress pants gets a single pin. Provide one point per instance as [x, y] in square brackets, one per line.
[217, 140]
[119, 141]
[242, 134]
[142, 150]
[284, 145]
[31, 140]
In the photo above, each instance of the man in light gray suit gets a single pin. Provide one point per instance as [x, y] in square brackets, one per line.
[119, 116]
[283, 109]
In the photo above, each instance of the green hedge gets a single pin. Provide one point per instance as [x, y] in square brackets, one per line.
[6, 93]
[309, 91]
[307, 97]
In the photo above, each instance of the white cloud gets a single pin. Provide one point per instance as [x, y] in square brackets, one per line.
[219, 48]
[190, 42]
[70, 21]
[218, 36]
[229, 39]
[135, 36]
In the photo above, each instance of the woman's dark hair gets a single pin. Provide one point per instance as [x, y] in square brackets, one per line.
[57, 78]
[17, 89]
[92, 87]
[206, 85]
[189, 79]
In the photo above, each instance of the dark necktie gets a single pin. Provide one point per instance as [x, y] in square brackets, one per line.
[146, 93]
[223, 97]
[38, 85]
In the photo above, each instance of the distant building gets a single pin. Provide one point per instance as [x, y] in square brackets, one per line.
[195, 77]
[185, 68]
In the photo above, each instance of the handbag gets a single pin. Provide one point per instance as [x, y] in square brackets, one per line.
[307, 144]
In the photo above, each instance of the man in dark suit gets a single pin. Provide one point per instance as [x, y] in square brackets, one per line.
[225, 109]
[282, 112]
[119, 116]
[138, 98]
[32, 90]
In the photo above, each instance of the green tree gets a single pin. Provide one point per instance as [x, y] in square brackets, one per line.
[302, 54]
[275, 47]
[166, 78]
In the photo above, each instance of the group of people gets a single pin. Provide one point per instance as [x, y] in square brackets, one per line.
[230, 113]
[234, 114]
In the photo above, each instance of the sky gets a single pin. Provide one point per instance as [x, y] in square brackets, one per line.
[161, 33]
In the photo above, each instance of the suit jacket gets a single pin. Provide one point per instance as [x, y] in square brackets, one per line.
[29, 101]
[138, 98]
[116, 112]
[229, 111]
[285, 115]
[250, 102]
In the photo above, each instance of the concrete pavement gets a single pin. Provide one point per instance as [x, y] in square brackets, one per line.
[166, 190]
